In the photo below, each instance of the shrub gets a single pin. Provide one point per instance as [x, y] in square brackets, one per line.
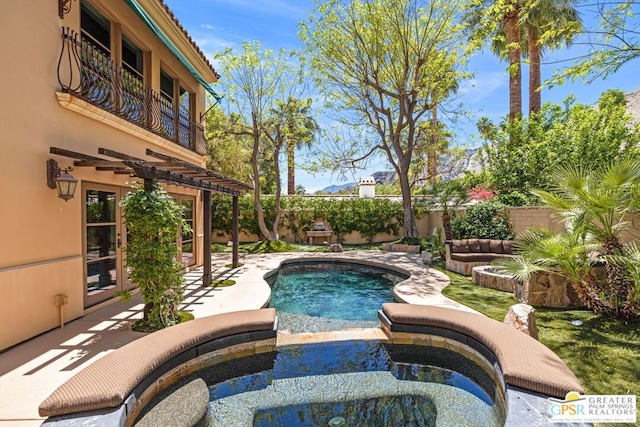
[153, 219]
[365, 216]
[484, 220]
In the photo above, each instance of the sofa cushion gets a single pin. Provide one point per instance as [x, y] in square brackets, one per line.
[484, 245]
[507, 246]
[475, 257]
[495, 246]
[474, 245]
[460, 246]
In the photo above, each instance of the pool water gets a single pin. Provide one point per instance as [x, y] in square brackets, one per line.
[364, 383]
[333, 290]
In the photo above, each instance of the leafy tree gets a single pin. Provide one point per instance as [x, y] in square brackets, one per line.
[594, 204]
[256, 82]
[524, 154]
[229, 150]
[386, 65]
[615, 41]
[448, 195]
[153, 219]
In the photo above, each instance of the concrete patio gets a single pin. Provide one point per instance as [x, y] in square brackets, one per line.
[32, 370]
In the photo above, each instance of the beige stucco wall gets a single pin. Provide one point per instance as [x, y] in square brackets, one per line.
[521, 218]
[41, 254]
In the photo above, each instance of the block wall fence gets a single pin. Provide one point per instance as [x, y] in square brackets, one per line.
[521, 218]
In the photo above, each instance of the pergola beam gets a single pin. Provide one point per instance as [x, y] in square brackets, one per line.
[171, 170]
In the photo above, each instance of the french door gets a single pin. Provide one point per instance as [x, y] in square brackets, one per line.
[104, 238]
[186, 247]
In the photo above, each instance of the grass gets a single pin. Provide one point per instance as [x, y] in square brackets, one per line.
[603, 353]
[142, 326]
[222, 283]
[265, 246]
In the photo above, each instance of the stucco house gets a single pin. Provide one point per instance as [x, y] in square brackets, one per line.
[116, 90]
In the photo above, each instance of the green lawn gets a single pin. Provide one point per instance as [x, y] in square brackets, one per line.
[604, 354]
[265, 246]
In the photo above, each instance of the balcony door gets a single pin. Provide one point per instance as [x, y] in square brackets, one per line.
[104, 237]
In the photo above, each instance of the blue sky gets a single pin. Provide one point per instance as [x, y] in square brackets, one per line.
[218, 24]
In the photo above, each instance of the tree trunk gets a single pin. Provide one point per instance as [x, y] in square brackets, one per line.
[256, 179]
[515, 70]
[535, 83]
[446, 223]
[291, 164]
[432, 152]
[275, 234]
[409, 228]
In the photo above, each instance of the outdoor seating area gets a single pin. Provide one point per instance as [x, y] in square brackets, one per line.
[523, 361]
[123, 380]
[462, 255]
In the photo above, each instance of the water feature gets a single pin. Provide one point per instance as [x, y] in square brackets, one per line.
[332, 290]
[358, 383]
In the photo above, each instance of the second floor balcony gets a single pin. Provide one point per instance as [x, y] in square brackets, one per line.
[92, 76]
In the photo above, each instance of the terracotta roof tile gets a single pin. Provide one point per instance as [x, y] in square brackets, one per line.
[193, 43]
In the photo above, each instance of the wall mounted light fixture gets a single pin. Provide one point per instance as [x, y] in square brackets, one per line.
[61, 179]
[64, 7]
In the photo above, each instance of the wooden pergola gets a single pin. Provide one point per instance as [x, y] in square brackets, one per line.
[170, 170]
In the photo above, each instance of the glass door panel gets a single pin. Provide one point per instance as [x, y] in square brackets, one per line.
[186, 237]
[102, 246]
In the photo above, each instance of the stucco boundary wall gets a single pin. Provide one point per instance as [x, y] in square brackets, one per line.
[521, 217]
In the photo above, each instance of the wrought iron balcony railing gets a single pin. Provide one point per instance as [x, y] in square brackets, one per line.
[87, 72]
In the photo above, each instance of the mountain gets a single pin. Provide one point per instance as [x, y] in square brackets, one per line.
[336, 188]
[450, 167]
[381, 177]
[633, 104]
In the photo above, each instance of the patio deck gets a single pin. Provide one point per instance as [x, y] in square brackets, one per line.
[31, 371]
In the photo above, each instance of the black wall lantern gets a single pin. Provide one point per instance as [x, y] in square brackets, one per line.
[61, 179]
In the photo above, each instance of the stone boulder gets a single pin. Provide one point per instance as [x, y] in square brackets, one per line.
[547, 290]
[523, 318]
[397, 247]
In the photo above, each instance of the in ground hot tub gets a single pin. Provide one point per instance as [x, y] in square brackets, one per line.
[359, 382]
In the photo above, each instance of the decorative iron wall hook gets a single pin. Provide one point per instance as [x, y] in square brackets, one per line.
[64, 7]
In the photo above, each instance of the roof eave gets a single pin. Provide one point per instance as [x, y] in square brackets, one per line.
[169, 24]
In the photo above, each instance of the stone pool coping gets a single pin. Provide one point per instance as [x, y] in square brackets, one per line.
[423, 287]
[524, 408]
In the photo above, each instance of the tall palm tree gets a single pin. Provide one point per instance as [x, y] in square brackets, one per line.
[518, 34]
[557, 14]
[300, 129]
[499, 21]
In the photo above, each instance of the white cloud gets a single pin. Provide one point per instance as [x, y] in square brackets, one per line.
[482, 86]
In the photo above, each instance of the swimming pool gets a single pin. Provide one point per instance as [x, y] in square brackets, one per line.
[333, 289]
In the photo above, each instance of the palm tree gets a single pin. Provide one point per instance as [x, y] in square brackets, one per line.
[300, 129]
[523, 24]
[594, 205]
[506, 34]
[448, 195]
[557, 14]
